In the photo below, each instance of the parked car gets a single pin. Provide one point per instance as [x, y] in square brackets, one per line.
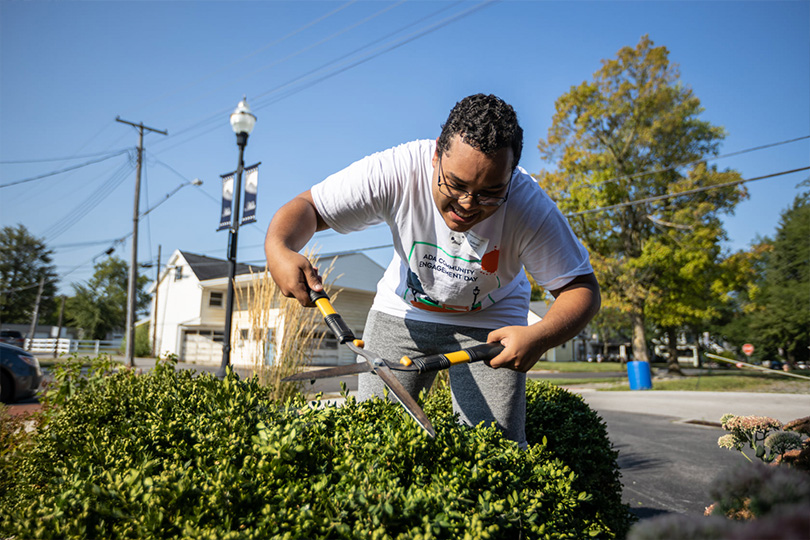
[12, 337]
[20, 374]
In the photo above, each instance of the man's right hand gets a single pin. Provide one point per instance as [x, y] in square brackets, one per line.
[289, 231]
[294, 276]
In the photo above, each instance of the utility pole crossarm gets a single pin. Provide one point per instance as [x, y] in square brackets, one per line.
[141, 126]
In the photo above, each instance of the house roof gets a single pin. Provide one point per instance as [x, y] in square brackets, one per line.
[350, 271]
[206, 268]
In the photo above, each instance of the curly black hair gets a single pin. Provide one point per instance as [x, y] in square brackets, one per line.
[485, 122]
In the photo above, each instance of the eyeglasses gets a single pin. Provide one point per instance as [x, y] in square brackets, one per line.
[457, 193]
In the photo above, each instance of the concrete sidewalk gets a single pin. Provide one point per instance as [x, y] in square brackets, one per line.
[699, 406]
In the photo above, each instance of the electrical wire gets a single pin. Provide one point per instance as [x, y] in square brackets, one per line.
[701, 160]
[44, 160]
[54, 173]
[682, 193]
[260, 104]
[18, 289]
[307, 48]
[216, 117]
[95, 198]
[82, 244]
[254, 53]
[179, 175]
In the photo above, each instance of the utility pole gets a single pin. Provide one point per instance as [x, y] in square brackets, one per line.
[155, 311]
[35, 316]
[133, 264]
[59, 331]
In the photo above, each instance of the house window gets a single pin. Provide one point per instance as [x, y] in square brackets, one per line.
[244, 334]
[178, 273]
[215, 300]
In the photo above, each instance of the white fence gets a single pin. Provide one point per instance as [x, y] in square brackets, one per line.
[70, 346]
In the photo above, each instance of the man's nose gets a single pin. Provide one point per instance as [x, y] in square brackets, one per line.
[468, 201]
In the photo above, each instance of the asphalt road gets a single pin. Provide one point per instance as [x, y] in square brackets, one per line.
[667, 466]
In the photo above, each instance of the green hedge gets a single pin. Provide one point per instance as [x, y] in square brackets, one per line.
[169, 454]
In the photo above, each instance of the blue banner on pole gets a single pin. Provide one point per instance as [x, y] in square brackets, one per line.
[251, 188]
[227, 201]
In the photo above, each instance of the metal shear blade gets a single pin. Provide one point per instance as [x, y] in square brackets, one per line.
[379, 367]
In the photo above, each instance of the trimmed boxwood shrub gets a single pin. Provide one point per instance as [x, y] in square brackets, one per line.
[172, 454]
[576, 435]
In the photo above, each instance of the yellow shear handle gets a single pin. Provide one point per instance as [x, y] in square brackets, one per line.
[436, 362]
[331, 317]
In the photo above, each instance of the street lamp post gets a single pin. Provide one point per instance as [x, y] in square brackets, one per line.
[242, 122]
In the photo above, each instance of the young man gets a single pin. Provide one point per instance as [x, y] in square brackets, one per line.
[465, 221]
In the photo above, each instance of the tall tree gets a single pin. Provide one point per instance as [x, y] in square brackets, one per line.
[690, 285]
[780, 322]
[24, 261]
[99, 306]
[633, 135]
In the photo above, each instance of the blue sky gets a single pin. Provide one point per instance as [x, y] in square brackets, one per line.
[331, 82]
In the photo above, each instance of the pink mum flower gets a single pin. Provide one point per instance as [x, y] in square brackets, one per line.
[752, 423]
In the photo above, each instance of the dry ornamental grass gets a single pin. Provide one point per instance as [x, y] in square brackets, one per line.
[282, 333]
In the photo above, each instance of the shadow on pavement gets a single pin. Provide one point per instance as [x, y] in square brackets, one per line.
[635, 460]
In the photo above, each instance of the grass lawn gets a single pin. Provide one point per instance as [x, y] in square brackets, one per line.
[733, 381]
[578, 367]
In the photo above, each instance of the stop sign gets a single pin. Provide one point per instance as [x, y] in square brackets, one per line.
[748, 349]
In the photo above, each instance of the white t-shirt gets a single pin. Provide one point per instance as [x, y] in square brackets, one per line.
[474, 278]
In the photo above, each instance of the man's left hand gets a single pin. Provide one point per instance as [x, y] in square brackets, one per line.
[521, 348]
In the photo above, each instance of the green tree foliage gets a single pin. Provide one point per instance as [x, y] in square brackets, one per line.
[633, 133]
[780, 317]
[740, 272]
[24, 261]
[100, 305]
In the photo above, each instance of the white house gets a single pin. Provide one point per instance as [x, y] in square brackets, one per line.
[188, 309]
[188, 306]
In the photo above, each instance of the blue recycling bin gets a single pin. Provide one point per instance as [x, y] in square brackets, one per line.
[638, 373]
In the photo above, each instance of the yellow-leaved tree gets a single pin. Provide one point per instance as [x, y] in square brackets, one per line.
[624, 145]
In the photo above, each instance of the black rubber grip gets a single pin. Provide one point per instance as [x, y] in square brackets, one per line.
[436, 362]
[486, 351]
[333, 320]
[339, 327]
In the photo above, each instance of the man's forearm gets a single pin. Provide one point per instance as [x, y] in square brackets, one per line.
[574, 307]
[293, 226]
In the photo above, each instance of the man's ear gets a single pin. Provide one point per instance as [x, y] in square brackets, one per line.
[436, 154]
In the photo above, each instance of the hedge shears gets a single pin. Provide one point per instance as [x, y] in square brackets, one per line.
[384, 368]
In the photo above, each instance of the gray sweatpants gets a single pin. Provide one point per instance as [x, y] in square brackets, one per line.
[480, 393]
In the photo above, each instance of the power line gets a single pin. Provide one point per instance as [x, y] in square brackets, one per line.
[53, 173]
[95, 198]
[179, 175]
[257, 51]
[679, 165]
[378, 52]
[367, 45]
[309, 47]
[43, 160]
[82, 244]
[682, 193]
[18, 289]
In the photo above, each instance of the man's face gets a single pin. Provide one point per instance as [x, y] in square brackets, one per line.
[465, 169]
